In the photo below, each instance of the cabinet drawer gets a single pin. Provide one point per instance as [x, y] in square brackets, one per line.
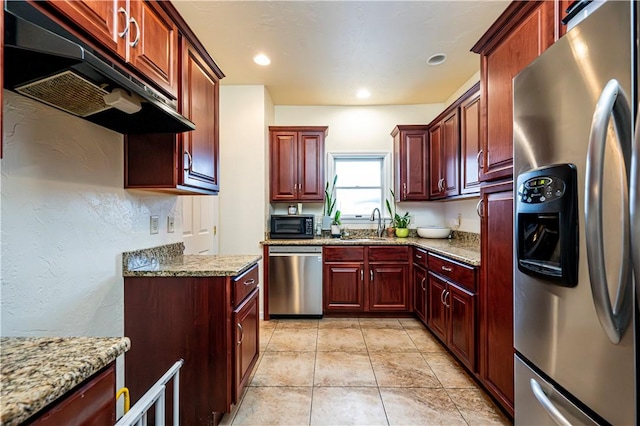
[457, 272]
[244, 284]
[420, 257]
[344, 254]
[386, 254]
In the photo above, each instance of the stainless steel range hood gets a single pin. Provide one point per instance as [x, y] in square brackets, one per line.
[45, 62]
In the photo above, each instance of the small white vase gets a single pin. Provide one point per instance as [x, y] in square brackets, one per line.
[335, 231]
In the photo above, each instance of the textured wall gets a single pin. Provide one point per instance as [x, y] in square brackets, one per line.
[66, 220]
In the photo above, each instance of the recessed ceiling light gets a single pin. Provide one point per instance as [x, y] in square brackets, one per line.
[437, 59]
[363, 93]
[262, 59]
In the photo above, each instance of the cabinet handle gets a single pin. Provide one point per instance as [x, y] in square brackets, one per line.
[418, 256]
[404, 190]
[478, 158]
[371, 274]
[442, 296]
[422, 284]
[447, 294]
[479, 208]
[444, 184]
[134, 43]
[189, 160]
[250, 282]
[446, 268]
[361, 275]
[126, 20]
[241, 334]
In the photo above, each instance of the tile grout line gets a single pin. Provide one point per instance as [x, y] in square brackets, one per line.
[374, 374]
[313, 376]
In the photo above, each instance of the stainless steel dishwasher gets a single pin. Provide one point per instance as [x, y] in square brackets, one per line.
[295, 281]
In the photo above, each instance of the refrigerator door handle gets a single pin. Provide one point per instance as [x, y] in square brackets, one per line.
[547, 404]
[634, 204]
[614, 320]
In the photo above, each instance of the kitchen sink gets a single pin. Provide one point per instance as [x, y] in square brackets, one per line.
[366, 239]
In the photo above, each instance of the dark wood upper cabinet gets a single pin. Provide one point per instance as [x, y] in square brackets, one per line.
[521, 34]
[199, 94]
[411, 162]
[1, 78]
[470, 143]
[453, 148]
[185, 163]
[444, 156]
[140, 32]
[297, 163]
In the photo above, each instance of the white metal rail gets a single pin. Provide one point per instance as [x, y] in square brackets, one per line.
[137, 415]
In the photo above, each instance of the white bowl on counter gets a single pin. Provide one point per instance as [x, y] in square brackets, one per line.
[434, 232]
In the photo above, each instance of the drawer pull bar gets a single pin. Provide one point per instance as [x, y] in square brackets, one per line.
[446, 268]
[250, 282]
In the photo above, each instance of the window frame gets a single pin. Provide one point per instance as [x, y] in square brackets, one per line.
[385, 157]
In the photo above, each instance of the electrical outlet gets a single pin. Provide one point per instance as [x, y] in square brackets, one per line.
[458, 219]
[170, 224]
[154, 224]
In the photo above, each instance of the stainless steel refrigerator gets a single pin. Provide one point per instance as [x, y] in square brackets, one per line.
[576, 225]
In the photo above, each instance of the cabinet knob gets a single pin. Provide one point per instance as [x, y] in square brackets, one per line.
[134, 43]
[126, 21]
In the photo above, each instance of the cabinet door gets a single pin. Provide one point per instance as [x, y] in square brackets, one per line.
[470, 144]
[519, 47]
[284, 166]
[343, 285]
[413, 173]
[93, 403]
[310, 166]
[496, 293]
[388, 287]
[199, 104]
[247, 342]
[102, 20]
[420, 292]
[461, 341]
[153, 44]
[450, 154]
[436, 310]
[435, 162]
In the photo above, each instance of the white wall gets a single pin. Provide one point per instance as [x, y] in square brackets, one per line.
[469, 219]
[66, 220]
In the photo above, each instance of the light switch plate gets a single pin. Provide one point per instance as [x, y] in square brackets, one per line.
[154, 224]
[170, 224]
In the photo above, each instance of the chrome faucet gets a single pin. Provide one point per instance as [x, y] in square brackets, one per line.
[373, 217]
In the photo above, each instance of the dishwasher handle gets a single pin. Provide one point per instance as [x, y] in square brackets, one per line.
[295, 251]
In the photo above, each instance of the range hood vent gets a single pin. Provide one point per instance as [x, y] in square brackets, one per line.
[45, 62]
[69, 92]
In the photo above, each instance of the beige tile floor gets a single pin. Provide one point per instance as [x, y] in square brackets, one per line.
[353, 371]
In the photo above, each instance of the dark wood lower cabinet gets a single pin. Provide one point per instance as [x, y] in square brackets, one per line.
[91, 403]
[196, 319]
[366, 279]
[420, 292]
[246, 318]
[451, 313]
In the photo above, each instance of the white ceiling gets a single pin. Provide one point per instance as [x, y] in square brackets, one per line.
[322, 52]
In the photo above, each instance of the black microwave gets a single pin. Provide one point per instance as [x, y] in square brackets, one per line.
[291, 226]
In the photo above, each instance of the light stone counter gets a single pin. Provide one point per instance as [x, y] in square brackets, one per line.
[168, 261]
[462, 250]
[35, 371]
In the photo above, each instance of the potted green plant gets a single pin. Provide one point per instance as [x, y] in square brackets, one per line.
[402, 224]
[335, 225]
[329, 203]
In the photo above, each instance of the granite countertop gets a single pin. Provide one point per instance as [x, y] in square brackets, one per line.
[35, 371]
[462, 250]
[168, 261]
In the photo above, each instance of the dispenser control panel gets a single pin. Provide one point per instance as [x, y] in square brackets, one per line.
[541, 189]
